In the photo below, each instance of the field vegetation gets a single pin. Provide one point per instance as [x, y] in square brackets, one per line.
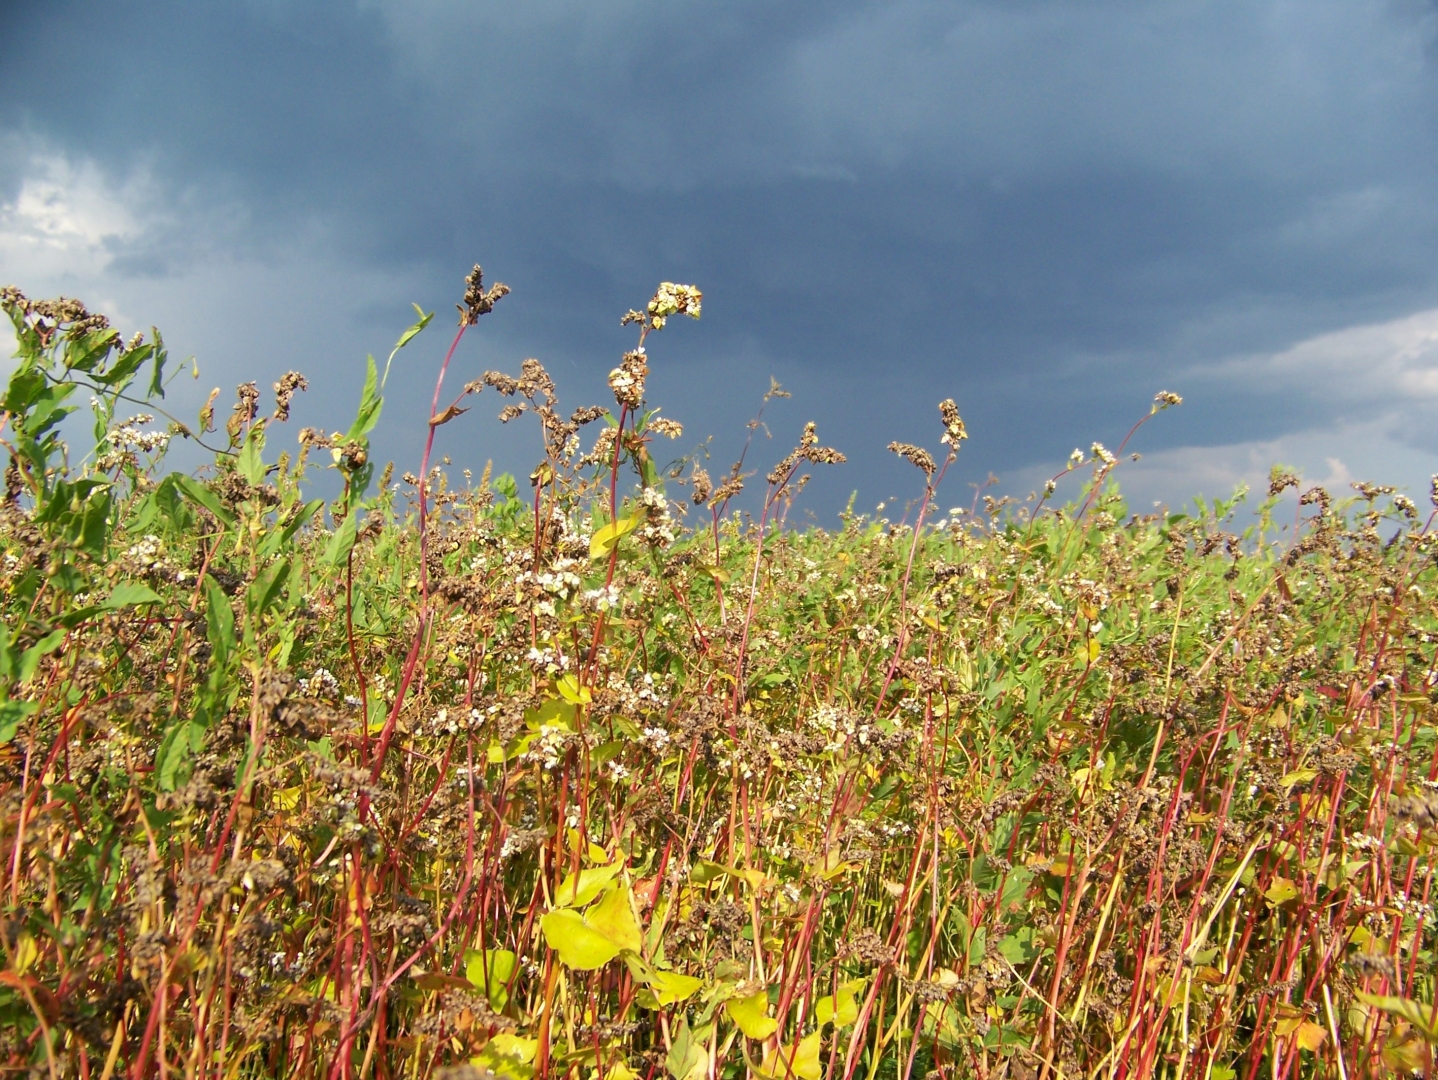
[592, 775]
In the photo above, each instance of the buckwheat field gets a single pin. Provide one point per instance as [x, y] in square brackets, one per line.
[610, 772]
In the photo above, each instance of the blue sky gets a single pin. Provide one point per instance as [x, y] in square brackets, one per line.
[1046, 210]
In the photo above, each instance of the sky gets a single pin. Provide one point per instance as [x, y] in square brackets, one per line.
[1048, 210]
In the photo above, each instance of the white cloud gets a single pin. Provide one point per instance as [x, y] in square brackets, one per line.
[1378, 384]
[67, 217]
[1394, 364]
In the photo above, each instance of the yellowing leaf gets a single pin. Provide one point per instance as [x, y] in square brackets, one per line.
[571, 691]
[1298, 776]
[579, 946]
[1281, 891]
[750, 1015]
[508, 1056]
[26, 953]
[802, 1060]
[840, 1009]
[1415, 1012]
[1310, 1036]
[670, 987]
[614, 917]
[578, 890]
[605, 539]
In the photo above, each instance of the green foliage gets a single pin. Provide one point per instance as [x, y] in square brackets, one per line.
[560, 781]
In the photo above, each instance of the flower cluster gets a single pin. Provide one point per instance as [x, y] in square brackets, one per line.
[672, 299]
[627, 380]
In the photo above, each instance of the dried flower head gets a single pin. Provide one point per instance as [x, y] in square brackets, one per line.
[703, 486]
[477, 301]
[247, 400]
[914, 455]
[733, 484]
[670, 429]
[1280, 480]
[954, 430]
[807, 450]
[627, 380]
[290, 383]
[1164, 399]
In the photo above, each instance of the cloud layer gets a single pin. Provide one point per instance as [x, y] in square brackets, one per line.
[1047, 210]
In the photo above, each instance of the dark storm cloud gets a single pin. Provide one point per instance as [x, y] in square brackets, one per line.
[1046, 210]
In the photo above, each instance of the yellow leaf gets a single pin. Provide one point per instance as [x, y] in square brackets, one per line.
[1297, 776]
[750, 1015]
[605, 539]
[839, 1009]
[802, 1060]
[26, 953]
[1310, 1036]
[576, 890]
[670, 987]
[287, 798]
[579, 946]
[571, 691]
[1281, 891]
[1415, 1012]
[508, 1056]
[614, 918]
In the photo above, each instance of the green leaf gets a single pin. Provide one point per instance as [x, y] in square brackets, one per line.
[370, 403]
[1281, 891]
[175, 752]
[614, 917]
[343, 540]
[508, 1056]
[263, 591]
[250, 464]
[220, 620]
[132, 592]
[489, 971]
[280, 537]
[157, 380]
[198, 493]
[580, 947]
[30, 658]
[604, 541]
[1018, 947]
[12, 715]
[576, 890]
[406, 338]
[124, 367]
[751, 1015]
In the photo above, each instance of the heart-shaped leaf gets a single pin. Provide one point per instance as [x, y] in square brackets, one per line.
[580, 947]
[750, 1015]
